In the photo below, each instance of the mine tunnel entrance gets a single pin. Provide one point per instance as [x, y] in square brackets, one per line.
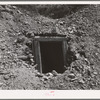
[52, 56]
[50, 53]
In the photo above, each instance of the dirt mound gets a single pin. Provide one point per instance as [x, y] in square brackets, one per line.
[17, 66]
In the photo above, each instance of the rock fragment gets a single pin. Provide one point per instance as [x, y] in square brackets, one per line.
[45, 78]
[49, 74]
[81, 81]
[95, 73]
[1, 84]
[6, 77]
[71, 75]
[54, 73]
[4, 72]
[23, 57]
[39, 74]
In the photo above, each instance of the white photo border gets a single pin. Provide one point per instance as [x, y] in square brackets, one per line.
[49, 94]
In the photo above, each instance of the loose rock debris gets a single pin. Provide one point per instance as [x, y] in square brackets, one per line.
[17, 63]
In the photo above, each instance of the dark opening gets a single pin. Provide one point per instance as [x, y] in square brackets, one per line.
[52, 57]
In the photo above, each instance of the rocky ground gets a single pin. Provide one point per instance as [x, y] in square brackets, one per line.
[17, 66]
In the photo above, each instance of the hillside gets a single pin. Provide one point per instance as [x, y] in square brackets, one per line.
[19, 25]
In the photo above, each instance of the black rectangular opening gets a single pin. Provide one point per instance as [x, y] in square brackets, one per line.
[52, 56]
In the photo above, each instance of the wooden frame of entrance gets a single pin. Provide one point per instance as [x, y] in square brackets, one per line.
[36, 48]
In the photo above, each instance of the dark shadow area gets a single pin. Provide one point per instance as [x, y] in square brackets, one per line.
[52, 57]
[70, 57]
[53, 11]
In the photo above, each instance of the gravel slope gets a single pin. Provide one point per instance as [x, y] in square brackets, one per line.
[17, 66]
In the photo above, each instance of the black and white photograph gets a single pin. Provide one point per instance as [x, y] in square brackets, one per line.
[50, 47]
